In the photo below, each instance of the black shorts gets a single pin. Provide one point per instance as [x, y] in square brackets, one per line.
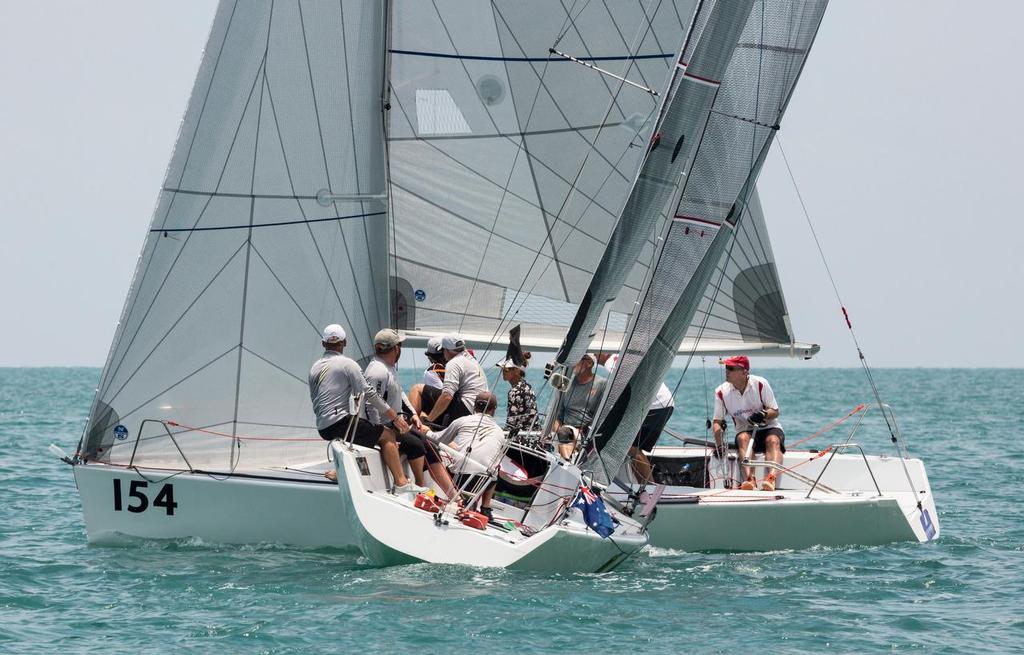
[762, 435]
[367, 434]
[456, 408]
[411, 445]
[651, 429]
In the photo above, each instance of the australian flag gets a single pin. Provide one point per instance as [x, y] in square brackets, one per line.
[594, 512]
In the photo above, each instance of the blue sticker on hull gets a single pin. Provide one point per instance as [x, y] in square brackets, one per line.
[926, 523]
[420, 294]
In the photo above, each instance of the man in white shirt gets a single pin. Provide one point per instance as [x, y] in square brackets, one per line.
[464, 379]
[477, 437]
[657, 418]
[750, 402]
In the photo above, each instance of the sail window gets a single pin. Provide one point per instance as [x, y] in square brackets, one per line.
[437, 113]
[532, 308]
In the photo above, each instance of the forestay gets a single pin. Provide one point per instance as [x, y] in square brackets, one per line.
[754, 92]
[508, 165]
[259, 239]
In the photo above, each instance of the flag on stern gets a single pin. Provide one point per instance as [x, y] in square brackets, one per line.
[594, 512]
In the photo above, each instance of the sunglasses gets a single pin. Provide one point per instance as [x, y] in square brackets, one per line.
[734, 368]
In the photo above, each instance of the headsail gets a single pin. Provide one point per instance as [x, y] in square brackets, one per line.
[269, 225]
[755, 90]
[681, 127]
[509, 166]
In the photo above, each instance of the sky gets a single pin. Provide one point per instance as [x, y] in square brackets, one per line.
[901, 136]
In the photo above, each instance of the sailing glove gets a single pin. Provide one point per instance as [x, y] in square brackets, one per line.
[757, 418]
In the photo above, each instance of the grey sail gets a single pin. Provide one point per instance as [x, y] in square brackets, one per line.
[269, 225]
[508, 165]
[755, 90]
[681, 127]
[744, 308]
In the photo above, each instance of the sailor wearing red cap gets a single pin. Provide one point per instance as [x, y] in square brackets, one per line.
[749, 401]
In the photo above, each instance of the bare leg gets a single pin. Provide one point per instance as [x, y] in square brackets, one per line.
[488, 496]
[392, 460]
[416, 398]
[641, 465]
[773, 453]
[742, 443]
[417, 469]
[443, 480]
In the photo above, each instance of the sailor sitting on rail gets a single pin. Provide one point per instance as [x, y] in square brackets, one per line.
[479, 441]
[382, 376]
[463, 381]
[577, 406]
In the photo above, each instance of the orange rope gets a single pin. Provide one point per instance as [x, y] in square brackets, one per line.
[232, 436]
[858, 408]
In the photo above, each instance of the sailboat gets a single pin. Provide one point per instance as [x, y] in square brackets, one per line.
[436, 167]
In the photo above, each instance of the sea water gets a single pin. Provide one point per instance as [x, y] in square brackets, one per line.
[962, 593]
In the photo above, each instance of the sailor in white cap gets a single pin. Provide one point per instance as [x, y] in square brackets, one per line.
[333, 381]
[463, 380]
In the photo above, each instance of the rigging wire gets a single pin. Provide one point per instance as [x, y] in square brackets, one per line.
[846, 316]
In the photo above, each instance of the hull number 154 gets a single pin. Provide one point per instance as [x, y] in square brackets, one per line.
[138, 500]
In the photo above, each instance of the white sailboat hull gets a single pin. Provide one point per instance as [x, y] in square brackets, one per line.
[852, 512]
[389, 530]
[240, 508]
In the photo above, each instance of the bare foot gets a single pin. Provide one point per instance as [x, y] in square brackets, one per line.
[331, 475]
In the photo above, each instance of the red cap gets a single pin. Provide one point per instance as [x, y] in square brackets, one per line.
[738, 360]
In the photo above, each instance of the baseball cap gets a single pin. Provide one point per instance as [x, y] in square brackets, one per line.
[333, 333]
[453, 342]
[739, 360]
[388, 338]
[434, 346]
[508, 363]
[592, 357]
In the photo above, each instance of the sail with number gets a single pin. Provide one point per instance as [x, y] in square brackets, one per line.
[754, 92]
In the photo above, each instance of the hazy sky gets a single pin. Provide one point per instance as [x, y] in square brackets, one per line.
[902, 135]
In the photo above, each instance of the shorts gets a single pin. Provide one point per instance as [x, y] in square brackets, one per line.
[456, 408]
[650, 430]
[411, 445]
[762, 435]
[366, 434]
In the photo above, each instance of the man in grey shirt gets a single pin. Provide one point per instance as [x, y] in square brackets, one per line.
[333, 381]
[463, 381]
[381, 374]
[577, 406]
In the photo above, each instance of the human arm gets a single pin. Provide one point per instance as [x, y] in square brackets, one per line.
[718, 426]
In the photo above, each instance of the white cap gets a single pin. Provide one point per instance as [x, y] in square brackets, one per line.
[453, 342]
[333, 333]
[509, 363]
[434, 346]
[591, 356]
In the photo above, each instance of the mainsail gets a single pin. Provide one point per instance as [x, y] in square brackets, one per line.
[270, 224]
[508, 165]
[755, 90]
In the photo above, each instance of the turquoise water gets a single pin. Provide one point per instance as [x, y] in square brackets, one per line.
[959, 594]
